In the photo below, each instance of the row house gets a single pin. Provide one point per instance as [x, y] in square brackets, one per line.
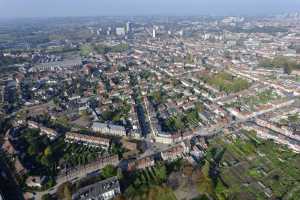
[141, 163]
[109, 129]
[272, 127]
[86, 139]
[173, 153]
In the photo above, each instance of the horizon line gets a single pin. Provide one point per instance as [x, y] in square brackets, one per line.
[148, 15]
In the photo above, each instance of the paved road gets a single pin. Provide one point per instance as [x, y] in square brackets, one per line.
[152, 132]
[74, 176]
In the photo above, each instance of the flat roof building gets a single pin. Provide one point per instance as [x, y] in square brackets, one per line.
[103, 190]
[109, 129]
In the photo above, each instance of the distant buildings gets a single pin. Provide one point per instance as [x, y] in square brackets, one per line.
[153, 33]
[128, 27]
[56, 66]
[120, 31]
[108, 32]
[103, 190]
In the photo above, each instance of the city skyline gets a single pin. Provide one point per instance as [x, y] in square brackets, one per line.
[55, 8]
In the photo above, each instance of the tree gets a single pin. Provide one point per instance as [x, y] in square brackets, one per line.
[205, 185]
[175, 165]
[85, 50]
[161, 172]
[32, 150]
[120, 174]
[46, 197]
[48, 151]
[50, 183]
[199, 107]
[173, 123]
[202, 197]
[285, 63]
[120, 197]
[130, 191]
[116, 148]
[67, 193]
[61, 190]
[45, 161]
[109, 171]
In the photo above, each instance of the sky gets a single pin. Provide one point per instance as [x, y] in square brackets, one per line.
[58, 8]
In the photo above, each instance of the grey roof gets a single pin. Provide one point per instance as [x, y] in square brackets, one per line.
[110, 126]
[95, 190]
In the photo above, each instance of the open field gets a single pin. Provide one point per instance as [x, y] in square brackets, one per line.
[255, 169]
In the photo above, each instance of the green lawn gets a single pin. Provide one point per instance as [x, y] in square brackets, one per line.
[224, 81]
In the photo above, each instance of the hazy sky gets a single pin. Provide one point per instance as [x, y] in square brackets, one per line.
[53, 8]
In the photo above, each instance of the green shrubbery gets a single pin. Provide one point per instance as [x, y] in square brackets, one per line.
[86, 49]
[287, 64]
[6, 60]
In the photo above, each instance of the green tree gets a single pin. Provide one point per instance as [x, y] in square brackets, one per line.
[32, 150]
[285, 63]
[130, 191]
[120, 174]
[109, 171]
[161, 172]
[45, 161]
[174, 123]
[46, 197]
[48, 151]
[60, 192]
[67, 193]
